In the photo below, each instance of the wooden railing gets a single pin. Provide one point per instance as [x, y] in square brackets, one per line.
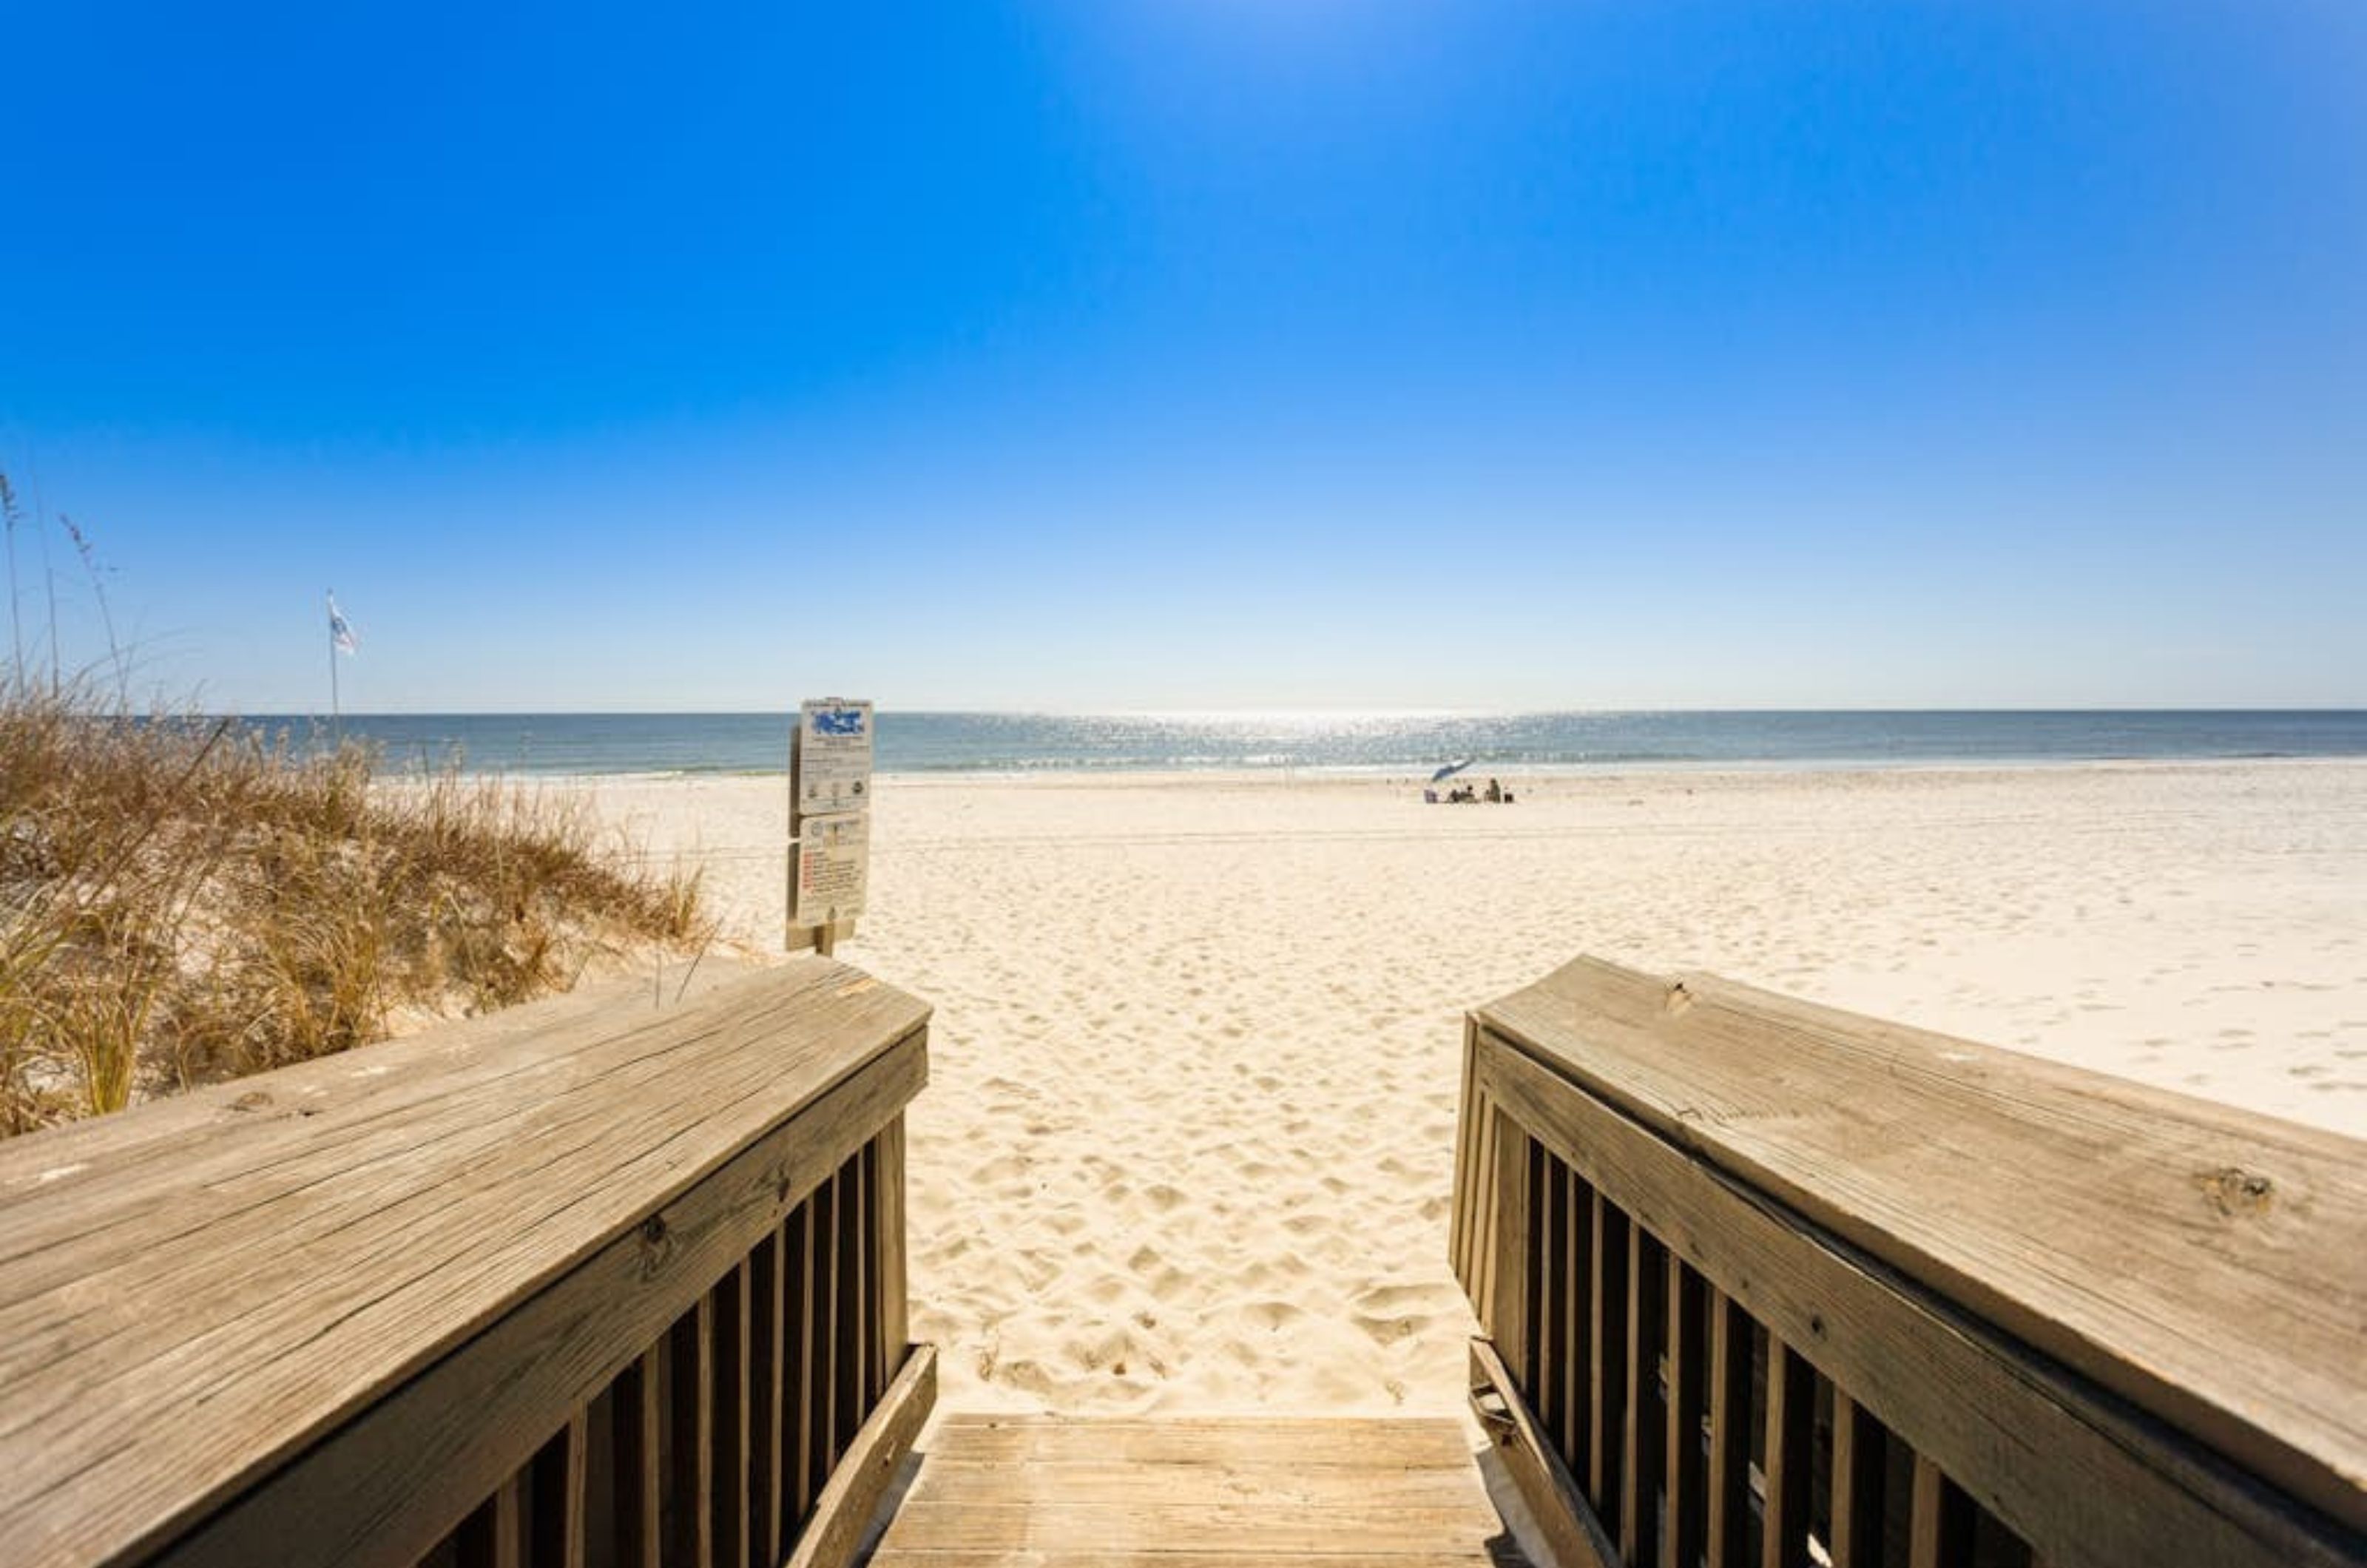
[611, 1281]
[1766, 1283]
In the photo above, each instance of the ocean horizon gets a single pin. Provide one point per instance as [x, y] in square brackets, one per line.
[950, 742]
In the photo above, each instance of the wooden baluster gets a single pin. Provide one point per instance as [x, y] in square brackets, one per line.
[1728, 1543]
[846, 1335]
[1791, 1458]
[555, 1526]
[728, 1407]
[805, 1303]
[691, 1347]
[493, 1536]
[895, 1320]
[1607, 1410]
[633, 1412]
[1473, 1238]
[1686, 1527]
[1942, 1527]
[829, 1247]
[1578, 1317]
[1550, 1269]
[1858, 1464]
[1647, 1323]
[766, 1428]
[1513, 1292]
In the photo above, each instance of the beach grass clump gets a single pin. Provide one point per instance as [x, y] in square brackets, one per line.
[183, 899]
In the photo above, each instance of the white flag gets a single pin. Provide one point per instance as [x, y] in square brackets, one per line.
[341, 634]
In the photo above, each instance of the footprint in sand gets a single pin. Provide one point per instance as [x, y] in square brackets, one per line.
[1393, 1300]
[1272, 1315]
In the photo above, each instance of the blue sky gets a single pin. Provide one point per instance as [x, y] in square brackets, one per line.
[1198, 352]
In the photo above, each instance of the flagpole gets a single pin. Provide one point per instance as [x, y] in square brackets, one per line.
[337, 707]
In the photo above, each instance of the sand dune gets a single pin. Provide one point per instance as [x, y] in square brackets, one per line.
[1197, 1039]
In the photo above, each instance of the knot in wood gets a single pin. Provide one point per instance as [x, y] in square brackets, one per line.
[2235, 1191]
[1677, 999]
[657, 1245]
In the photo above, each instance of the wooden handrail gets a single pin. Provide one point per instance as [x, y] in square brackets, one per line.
[599, 1277]
[1756, 1270]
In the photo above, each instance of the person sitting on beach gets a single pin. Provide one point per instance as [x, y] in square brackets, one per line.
[1495, 793]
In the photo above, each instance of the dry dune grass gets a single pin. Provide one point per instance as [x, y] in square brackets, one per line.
[183, 900]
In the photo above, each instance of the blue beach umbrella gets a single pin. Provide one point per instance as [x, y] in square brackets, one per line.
[1452, 769]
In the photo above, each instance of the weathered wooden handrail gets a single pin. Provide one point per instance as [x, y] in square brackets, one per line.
[596, 1282]
[1761, 1279]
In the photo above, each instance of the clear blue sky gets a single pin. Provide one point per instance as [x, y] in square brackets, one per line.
[1199, 353]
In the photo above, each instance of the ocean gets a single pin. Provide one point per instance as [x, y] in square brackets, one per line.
[1350, 744]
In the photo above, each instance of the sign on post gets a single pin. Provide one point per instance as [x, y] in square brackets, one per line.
[830, 820]
[832, 757]
[833, 862]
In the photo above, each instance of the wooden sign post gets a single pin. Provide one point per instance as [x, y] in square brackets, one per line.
[830, 821]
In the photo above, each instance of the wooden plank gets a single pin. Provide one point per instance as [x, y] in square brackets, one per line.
[1356, 1443]
[1791, 1440]
[2066, 1472]
[348, 1114]
[1254, 1490]
[855, 1487]
[154, 1145]
[2186, 1216]
[1373, 1529]
[1574, 1536]
[1156, 1557]
[395, 1470]
[948, 1480]
[1729, 1481]
[1686, 1533]
[1645, 1452]
[633, 1404]
[403, 1199]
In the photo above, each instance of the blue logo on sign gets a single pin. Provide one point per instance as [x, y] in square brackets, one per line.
[839, 721]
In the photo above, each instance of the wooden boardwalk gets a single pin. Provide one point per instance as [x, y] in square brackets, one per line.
[1048, 1492]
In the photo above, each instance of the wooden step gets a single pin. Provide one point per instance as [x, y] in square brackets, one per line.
[1050, 1492]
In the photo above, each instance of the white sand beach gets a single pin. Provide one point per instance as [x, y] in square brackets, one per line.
[1187, 1142]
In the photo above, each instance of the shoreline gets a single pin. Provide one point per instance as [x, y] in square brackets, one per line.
[1117, 777]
